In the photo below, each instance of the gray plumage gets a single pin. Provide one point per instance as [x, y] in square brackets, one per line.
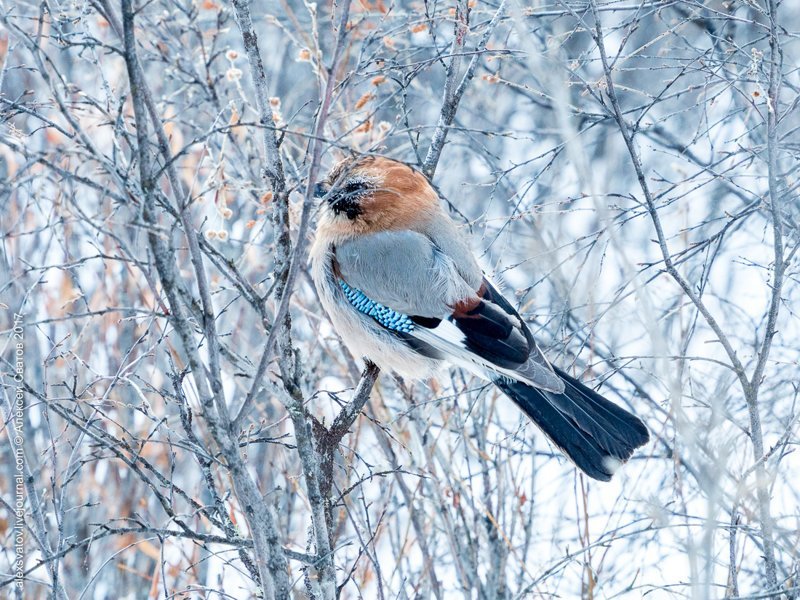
[409, 272]
[406, 271]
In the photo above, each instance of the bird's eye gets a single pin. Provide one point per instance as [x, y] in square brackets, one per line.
[347, 197]
[353, 187]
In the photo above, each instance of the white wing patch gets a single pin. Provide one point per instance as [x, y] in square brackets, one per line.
[449, 339]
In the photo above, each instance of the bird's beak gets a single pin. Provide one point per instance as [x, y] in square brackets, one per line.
[320, 189]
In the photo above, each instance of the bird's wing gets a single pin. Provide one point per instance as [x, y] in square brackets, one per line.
[486, 332]
[494, 329]
[403, 270]
[407, 273]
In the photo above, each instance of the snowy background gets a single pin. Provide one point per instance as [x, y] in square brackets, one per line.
[639, 205]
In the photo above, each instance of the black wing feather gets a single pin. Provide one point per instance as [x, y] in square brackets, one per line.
[494, 330]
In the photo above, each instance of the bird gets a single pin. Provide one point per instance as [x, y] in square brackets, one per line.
[402, 288]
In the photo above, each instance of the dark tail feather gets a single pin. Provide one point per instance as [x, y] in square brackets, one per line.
[594, 433]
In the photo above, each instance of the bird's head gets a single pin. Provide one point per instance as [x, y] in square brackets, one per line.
[370, 194]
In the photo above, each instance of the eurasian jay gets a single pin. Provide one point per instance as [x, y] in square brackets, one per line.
[402, 288]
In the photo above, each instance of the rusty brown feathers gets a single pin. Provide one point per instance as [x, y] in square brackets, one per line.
[401, 198]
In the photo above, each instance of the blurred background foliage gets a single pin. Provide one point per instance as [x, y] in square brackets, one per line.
[441, 489]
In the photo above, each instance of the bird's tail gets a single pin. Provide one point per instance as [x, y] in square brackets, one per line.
[597, 435]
